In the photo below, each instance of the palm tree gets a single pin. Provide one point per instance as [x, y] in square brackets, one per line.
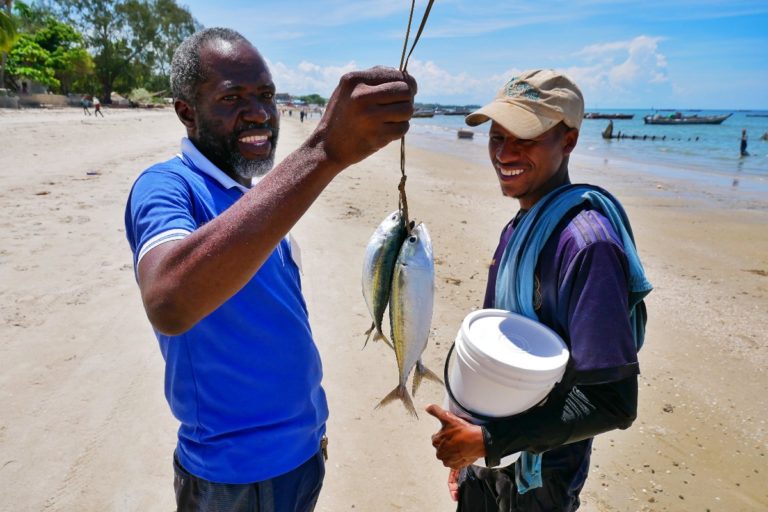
[7, 36]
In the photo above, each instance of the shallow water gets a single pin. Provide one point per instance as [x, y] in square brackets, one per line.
[705, 155]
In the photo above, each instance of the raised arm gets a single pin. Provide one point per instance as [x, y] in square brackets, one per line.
[183, 281]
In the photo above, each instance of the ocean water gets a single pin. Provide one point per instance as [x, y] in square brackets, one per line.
[699, 153]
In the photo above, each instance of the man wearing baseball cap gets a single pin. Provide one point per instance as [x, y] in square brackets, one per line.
[568, 260]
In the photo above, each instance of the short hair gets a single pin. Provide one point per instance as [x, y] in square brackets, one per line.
[186, 69]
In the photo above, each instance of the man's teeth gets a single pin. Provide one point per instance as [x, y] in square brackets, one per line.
[510, 172]
[254, 139]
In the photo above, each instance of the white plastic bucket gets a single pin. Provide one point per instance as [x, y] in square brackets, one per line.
[505, 364]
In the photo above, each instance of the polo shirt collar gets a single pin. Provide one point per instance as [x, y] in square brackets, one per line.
[195, 159]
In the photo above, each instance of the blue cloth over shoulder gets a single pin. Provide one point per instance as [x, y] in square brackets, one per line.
[515, 281]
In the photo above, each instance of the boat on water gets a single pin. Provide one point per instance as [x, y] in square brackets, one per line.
[598, 115]
[679, 118]
[463, 133]
[424, 112]
[457, 112]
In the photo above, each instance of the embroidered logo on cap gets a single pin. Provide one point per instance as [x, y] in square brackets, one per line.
[521, 88]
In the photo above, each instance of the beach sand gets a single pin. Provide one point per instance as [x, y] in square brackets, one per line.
[84, 423]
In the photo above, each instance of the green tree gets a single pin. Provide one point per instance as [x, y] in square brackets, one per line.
[48, 51]
[7, 28]
[313, 99]
[127, 36]
[7, 36]
[29, 60]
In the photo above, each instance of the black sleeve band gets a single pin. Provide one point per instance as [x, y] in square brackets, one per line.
[566, 417]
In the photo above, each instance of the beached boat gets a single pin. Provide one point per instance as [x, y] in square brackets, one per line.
[598, 115]
[424, 112]
[463, 133]
[678, 118]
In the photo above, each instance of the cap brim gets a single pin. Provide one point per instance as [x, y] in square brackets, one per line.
[516, 119]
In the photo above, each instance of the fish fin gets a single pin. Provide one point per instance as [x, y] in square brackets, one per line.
[400, 393]
[422, 372]
[380, 336]
[368, 334]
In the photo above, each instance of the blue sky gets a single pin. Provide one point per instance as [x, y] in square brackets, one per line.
[623, 54]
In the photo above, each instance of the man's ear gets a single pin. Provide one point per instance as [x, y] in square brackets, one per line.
[570, 139]
[186, 115]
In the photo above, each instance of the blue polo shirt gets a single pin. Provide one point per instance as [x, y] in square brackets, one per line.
[245, 381]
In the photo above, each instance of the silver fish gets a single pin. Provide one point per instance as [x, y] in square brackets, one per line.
[378, 265]
[410, 312]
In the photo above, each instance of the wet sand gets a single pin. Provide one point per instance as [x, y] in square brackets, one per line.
[84, 423]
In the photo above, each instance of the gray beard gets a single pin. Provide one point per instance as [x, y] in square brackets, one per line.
[249, 169]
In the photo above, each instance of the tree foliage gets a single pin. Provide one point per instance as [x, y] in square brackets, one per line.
[313, 99]
[7, 31]
[48, 51]
[131, 40]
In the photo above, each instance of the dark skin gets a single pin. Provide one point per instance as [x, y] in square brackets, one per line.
[234, 105]
[543, 161]
[183, 281]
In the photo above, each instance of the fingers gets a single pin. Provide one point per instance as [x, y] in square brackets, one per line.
[389, 92]
[379, 75]
[368, 110]
[453, 484]
[438, 412]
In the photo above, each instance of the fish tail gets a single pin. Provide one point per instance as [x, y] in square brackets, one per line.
[380, 336]
[422, 372]
[368, 334]
[400, 393]
[377, 335]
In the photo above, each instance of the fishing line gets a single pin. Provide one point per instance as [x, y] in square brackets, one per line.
[403, 67]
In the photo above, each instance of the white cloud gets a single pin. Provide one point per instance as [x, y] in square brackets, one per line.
[610, 72]
[308, 78]
[435, 83]
[622, 64]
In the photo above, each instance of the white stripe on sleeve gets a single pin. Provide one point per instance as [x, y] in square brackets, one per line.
[159, 239]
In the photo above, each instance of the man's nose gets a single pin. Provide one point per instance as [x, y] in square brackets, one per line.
[257, 112]
[509, 150]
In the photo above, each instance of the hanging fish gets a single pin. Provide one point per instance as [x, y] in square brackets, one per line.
[378, 265]
[410, 312]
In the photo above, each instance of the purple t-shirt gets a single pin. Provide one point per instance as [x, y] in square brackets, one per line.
[581, 293]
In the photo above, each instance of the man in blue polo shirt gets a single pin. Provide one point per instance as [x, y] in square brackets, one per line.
[218, 274]
[567, 259]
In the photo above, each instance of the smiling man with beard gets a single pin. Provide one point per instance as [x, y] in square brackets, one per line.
[217, 275]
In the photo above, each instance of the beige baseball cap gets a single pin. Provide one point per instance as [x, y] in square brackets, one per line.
[532, 103]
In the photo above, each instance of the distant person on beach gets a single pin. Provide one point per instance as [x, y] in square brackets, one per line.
[97, 107]
[84, 104]
[743, 147]
[219, 273]
[567, 260]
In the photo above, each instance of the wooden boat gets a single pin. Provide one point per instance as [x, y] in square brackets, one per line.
[424, 112]
[463, 133]
[678, 118]
[598, 115]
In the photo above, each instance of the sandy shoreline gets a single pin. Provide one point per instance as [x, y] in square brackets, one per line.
[84, 423]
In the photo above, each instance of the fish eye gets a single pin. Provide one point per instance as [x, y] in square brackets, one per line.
[412, 239]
